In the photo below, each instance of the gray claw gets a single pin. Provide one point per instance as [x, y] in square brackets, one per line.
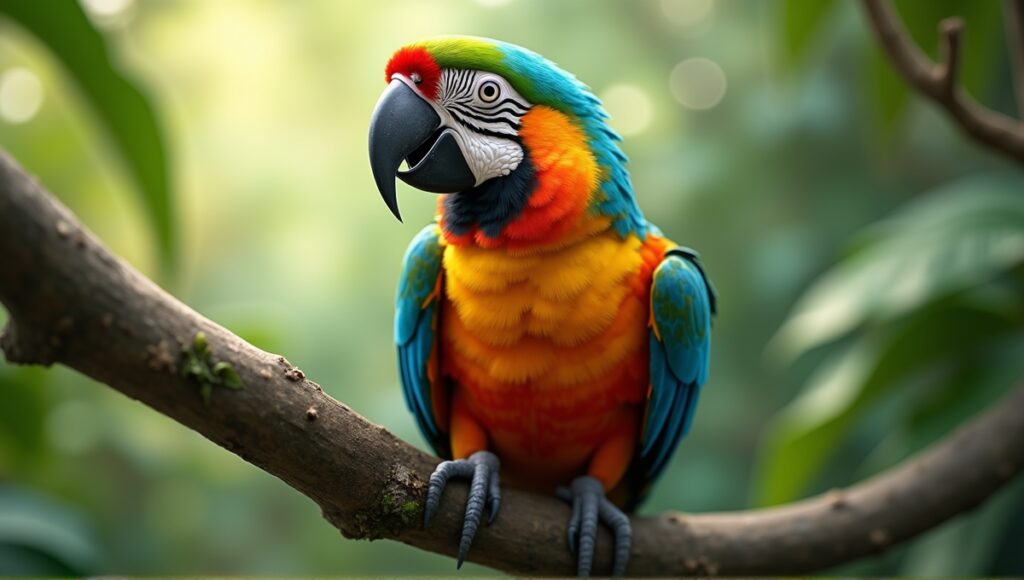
[494, 492]
[573, 529]
[589, 506]
[481, 468]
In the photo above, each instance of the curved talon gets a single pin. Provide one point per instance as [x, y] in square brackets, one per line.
[589, 506]
[481, 468]
[613, 517]
[572, 530]
[494, 492]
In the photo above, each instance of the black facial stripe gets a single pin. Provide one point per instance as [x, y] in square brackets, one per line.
[506, 101]
[469, 112]
[511, 112]
[454, 84]
[459, 86]
[478, 120]
[473, 126]
[464, 80]
[490, 133]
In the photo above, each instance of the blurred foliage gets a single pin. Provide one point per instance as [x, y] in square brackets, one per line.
[120, 106]
[818, 186]
[960, 237]
[40, 537]
[918, 324]
[805, 20]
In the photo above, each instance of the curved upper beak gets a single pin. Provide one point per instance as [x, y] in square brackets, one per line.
[405, 127]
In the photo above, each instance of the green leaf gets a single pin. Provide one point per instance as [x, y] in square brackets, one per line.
[41, 537]
[198, 364]
[227, 375]
[200, 345]
[959, 237]
[801, 21]
[120, 106]
[807, 433]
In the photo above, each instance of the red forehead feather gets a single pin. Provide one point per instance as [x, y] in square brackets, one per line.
[415, 60]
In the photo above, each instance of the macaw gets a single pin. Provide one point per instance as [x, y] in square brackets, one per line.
[546, 331]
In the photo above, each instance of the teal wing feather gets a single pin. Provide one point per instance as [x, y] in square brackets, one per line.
[416, 323]
[682, 304]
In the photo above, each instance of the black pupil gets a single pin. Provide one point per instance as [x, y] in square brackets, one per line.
[489, 91]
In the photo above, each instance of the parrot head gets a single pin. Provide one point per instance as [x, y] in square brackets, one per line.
[520, 146]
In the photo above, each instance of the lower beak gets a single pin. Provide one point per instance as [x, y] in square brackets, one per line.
[405, 127]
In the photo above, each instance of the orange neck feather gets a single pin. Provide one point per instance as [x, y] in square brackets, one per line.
[567, 177]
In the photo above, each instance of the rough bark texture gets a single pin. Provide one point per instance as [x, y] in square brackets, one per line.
[72, 302]
[938, 81]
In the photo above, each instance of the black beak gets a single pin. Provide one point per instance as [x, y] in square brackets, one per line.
[405, 127]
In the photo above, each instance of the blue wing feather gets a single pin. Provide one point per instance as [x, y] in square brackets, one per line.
[682, 303]
[415, 331]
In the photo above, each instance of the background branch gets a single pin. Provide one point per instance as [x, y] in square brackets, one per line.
[72, 302]
[1013, 13]
[938, 81]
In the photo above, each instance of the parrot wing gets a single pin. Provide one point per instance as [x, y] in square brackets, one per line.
[416, 336]
[682, 303]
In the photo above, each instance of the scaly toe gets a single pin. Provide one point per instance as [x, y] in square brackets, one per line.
[481, 468]
[589, 507]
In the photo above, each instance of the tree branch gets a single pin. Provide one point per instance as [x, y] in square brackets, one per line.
[939, 81]
[1013, 12]
[71, 302]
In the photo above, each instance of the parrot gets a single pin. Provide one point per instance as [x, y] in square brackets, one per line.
[549, 337]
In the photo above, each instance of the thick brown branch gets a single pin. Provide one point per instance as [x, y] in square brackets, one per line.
[71, 302]
[938, 81]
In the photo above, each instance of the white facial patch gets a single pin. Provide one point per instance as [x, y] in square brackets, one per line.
[485, 113]
[488, 156]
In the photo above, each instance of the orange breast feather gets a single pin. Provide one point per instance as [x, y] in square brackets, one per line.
[549, 351]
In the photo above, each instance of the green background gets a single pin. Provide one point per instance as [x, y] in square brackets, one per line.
[869, 259]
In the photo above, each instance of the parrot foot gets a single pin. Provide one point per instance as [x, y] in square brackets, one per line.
[589, 506]
[481, 468]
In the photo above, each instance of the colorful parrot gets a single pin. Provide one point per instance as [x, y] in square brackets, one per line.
[545, 329]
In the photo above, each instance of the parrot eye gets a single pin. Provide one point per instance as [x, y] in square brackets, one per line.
[489, 91]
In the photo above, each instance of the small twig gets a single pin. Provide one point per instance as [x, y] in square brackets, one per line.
[939, 81]
[948, 69]
[1013, 13]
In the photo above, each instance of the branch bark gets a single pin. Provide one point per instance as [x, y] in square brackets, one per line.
[72, 302]
[938, 81]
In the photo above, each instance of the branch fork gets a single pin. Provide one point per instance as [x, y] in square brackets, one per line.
[940, 81]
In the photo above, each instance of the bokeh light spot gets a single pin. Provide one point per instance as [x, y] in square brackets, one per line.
[629, 107]
[108, 8]
[686, 13]
[21, 95]
[697, 83]
[109, 13]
